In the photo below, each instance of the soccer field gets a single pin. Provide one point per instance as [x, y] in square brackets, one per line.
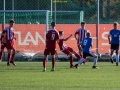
[29, 76]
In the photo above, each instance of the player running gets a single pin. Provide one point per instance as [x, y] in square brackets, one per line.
[113, 39]
[86, 44]
[67, 50]
[10, 42]
[51, 38]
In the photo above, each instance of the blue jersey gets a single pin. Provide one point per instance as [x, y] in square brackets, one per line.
[114, 36]
[86, 43]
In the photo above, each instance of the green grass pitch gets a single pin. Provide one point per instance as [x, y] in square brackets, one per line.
[29, 76]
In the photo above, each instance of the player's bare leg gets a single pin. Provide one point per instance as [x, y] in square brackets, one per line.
[111, 56]
[12, 58]
[8, 58]
[71, 60]
[117, 58]
[44, 63]
[1, 52]
[79, 62]
[78, 57]
[80, 48]
[53, 63]
[95, 63]
[80, 53]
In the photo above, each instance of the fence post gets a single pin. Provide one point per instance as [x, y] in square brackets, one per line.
[97, 26]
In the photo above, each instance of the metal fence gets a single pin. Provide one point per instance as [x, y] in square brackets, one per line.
[67, 14]
[109, 9]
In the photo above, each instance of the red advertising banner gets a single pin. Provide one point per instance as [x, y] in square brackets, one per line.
[31, 37]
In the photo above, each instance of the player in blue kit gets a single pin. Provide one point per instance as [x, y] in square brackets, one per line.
[86, 44]
[113, 39]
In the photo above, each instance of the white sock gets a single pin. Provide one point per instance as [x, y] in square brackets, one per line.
[111, 56]
[81, 60]
[95, 62]
[117, 58]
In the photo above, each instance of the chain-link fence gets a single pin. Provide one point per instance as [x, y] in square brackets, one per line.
[67, 14]
[109, 9]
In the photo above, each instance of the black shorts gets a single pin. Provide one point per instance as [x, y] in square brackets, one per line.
[88, 54]
[115, 46]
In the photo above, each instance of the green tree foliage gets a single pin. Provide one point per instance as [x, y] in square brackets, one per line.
[114, 9]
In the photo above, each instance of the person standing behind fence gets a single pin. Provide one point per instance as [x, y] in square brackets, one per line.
[10, 42]
[51, 38]
[113, 38]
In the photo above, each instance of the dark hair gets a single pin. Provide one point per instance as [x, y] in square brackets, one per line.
[53, 24]
[83, 23]
[60, 32]
[88, 34]
[11, 21]
[115, 23]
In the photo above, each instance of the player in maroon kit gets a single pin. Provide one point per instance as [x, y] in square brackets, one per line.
[3, 44]
[51, 38]
[67, 50]
[10, 42]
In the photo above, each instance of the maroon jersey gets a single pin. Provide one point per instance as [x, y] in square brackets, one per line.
[51, 37]
[81, 34]
[62, 45]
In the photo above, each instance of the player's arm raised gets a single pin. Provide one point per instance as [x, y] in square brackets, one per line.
[67, 37]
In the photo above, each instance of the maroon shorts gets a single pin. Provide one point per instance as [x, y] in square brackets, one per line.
[47, 52]
[11, 44]
[68, 50]
[3, 45]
